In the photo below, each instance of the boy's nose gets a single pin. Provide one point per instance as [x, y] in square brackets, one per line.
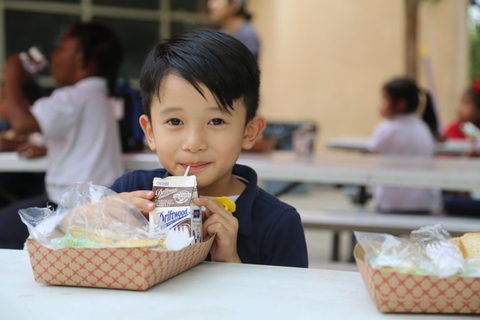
[194, 141]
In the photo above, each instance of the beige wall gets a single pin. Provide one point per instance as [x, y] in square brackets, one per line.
[444, 39]
[326, 59]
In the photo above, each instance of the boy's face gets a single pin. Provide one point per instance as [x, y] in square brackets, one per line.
[65, 59]
[388, 109]
[186, 129]
[386, 106]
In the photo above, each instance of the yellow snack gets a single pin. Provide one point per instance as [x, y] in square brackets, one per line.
[226, 202]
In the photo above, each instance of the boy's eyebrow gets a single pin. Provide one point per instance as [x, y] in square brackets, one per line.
[168, 110]
[223, 111]
[215, 108]
[173, 109]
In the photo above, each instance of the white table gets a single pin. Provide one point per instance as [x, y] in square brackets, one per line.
[360, 144]
[442, 173]
[11, 162]
[445, 173]
[208, 291]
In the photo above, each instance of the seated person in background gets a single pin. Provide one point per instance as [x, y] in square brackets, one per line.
[29, 145]
[456, 203]
[403, 133]
[77, 121]
[200, 94]
[468, 111]
[234, 19]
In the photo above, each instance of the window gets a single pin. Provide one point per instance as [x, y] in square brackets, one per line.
[138, 23]
[137, 38]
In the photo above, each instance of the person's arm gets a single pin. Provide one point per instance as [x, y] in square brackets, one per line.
[31, 151]
[9, 141]
[380, 139]
[16, 106]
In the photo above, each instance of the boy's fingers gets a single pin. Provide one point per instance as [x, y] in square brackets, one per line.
[216, 220]
[224, 218]
[212, 207]
[147, 194]
[142, 199]
[220, 224]
[214, 228]
[221, 232]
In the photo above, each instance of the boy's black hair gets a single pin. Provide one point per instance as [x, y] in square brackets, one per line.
[101, 47]
[403, 89]
[203, 56]
[406, 89]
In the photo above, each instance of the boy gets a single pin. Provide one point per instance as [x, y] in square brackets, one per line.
[77, 121]
[200, 94]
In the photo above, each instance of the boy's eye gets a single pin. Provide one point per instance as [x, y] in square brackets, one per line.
[216, 122]
[174, 122]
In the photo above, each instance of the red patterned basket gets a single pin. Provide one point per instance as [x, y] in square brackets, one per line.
[402, 292]
[118, 268]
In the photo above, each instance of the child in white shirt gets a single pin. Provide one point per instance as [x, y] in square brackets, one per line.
[403, 133]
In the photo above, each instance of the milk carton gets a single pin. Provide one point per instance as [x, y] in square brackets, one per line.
[174, 205]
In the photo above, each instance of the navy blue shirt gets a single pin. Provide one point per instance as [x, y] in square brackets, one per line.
[270, 231]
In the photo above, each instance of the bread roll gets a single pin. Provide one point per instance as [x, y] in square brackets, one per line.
[109, 222]
[470, 245]
[107, 238]
[456, 241]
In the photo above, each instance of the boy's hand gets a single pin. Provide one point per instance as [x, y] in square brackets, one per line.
[9, 141]
[142, 199]
[13, 70]
[222, 223]
[31, 151]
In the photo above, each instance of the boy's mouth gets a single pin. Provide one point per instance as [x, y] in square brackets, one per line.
[195, 167]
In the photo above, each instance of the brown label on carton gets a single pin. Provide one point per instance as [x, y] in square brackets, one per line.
[174, 206]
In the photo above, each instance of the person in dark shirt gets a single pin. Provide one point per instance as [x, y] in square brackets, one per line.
[200, 94]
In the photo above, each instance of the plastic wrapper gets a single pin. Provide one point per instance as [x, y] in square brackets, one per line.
[91, 216]
[427, 251]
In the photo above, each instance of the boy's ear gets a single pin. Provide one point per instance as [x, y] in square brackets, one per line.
[84, 69]
[253, 131]
[147, 131]
[78, 59]
[401, 106]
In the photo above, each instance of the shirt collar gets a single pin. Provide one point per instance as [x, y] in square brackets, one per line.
[245, 201]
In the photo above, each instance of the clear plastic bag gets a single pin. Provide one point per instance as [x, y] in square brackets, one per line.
[427, 251]
[89, 215]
